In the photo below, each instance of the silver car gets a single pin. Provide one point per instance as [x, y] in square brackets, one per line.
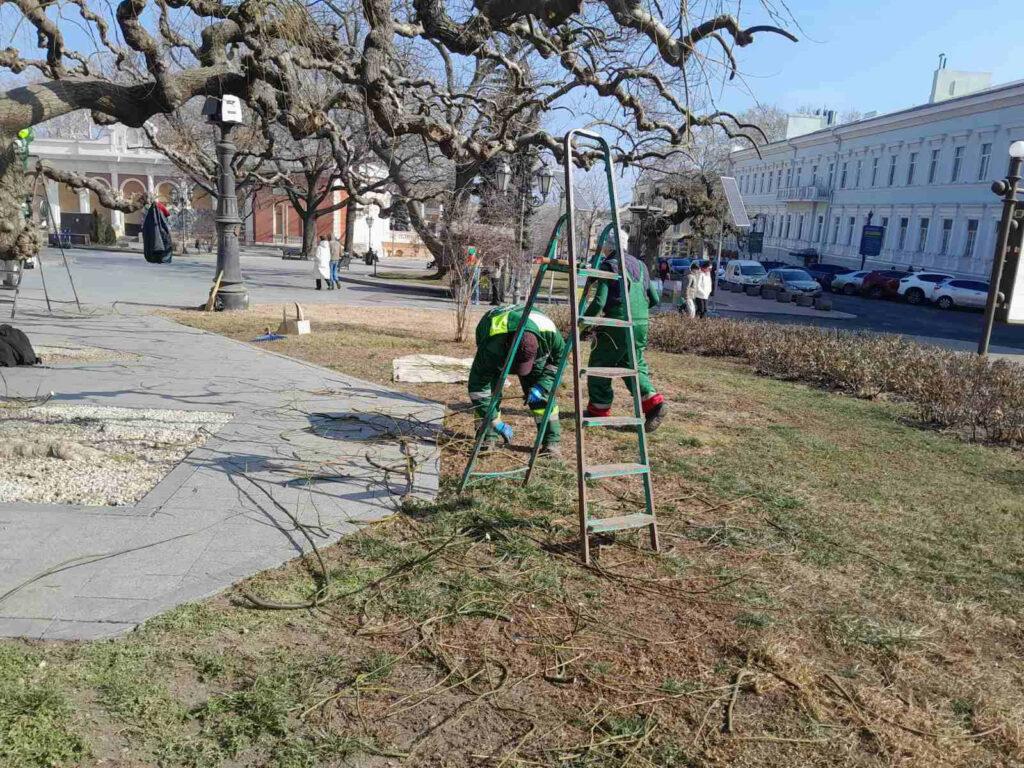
[792, 280]
[960, 293]
[849, 283]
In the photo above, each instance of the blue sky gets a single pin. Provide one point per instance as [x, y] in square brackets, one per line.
[876, 55]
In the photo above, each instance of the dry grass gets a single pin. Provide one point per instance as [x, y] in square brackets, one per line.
[837, 588]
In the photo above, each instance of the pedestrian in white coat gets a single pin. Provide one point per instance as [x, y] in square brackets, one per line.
[703, 290]
[322, 264]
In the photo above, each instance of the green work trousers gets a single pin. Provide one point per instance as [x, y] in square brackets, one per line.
[610, 351]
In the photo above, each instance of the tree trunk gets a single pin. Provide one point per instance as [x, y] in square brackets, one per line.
[350, 224]
[18, 239]
[309, 239]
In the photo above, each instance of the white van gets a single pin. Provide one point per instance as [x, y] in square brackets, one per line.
[739, 272]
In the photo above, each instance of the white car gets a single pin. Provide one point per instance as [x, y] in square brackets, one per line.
[960, 293]
[848, 283]
[740, 272]
[917, 288]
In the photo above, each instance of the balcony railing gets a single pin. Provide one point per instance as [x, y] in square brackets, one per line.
[809, 193]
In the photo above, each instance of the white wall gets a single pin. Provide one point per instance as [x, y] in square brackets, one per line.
[994, 118]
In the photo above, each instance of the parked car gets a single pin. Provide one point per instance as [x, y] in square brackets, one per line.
[883, 283]
[955, 292]
[825, 273]
[774, 265]
[679, 266]
[849, 283]
[917, 288]
[742, 272]
[792, 279]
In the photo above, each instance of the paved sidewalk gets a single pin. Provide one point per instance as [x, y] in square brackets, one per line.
[301, 444]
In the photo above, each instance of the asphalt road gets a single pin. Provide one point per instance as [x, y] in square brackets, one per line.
[888, 316]
[103, 278]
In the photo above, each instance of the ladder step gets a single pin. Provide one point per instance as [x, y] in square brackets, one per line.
[596, 471]
[607, 322]
[608, 373]
[612, 421]
[599, 274]
[620, 523]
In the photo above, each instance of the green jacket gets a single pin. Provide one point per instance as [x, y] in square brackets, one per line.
[642, 294]
[494, 334]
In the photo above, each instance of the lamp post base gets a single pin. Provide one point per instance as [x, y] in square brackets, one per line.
[232, 297]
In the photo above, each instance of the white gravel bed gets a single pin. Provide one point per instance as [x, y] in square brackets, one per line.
[92, 455]
[54, 354]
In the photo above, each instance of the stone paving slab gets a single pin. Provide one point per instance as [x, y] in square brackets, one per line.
[298, 448]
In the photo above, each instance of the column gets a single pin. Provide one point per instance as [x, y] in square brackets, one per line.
[150, 187]
[116, 217]
[53, 200]
[84, 204]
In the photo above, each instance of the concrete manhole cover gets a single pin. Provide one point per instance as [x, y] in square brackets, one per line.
[92, 455]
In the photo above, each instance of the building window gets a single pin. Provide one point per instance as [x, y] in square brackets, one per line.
[972, 236]
[958, 162]
[885, 228]
[874, 171]
[818, 229]
[911, 168]
[778, 179]
[892, 170]
[831, 174]
[800, 227]
[947, 233]
[835, 230]
[789, 221]
[986, 155]
[789, 177]
[904, 226]
[933, 166]
[814, 175]
[842, 176]
[856, 177]
[922, 234]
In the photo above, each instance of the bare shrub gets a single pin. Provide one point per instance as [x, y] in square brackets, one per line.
[954, 390]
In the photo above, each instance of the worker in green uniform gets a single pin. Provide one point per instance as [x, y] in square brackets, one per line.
[610, 348]
[535, 363]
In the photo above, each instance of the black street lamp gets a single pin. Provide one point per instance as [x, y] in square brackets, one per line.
[534, 177]
[226, 113]
[1007, 189]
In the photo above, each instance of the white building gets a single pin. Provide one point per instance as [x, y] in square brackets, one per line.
[924, 174]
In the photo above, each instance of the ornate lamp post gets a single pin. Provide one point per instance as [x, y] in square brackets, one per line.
[1007, 189]
[226, 113]
[539, 177]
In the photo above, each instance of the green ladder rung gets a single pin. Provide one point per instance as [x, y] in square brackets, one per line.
[620, 523]
[607, 322]
[612, 421]
[597, 471]
[504, 473]
[599, 274]
[608, 373]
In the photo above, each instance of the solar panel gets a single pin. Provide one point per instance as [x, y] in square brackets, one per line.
[737, 211]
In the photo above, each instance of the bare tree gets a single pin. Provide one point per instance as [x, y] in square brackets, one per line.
[465, 84]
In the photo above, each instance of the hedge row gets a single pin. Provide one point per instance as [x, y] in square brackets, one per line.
[955, 390]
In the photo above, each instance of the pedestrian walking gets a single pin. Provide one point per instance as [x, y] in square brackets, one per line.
[703, 293]
[322, 264]
[335, 246]
[611, 344]
[688, 301]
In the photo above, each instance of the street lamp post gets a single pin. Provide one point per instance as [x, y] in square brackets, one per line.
[540, 177]
[1007, 189]
[226, 113]
[369, 241]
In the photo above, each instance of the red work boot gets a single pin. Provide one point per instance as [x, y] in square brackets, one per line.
[655, 410]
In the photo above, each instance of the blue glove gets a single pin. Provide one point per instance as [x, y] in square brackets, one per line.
[504, 430]
[536, 397]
